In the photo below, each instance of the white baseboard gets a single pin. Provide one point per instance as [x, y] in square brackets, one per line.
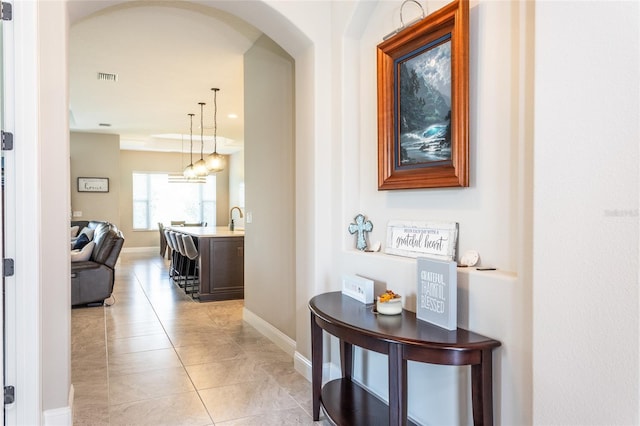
[302, 365]
[126, 249]
[281, 340]
[62, 416]
[72, 395]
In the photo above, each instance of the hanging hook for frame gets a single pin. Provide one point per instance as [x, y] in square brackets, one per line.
[403, 25]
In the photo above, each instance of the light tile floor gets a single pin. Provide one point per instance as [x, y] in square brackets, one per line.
[155, 357]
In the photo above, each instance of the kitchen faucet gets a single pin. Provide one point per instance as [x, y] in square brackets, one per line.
[231, 225]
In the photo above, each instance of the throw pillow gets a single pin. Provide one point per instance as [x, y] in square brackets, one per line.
[84, 254]
[74, 231]
[81, 241]
[88, 232]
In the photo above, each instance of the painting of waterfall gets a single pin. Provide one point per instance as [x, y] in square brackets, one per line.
[425, 105]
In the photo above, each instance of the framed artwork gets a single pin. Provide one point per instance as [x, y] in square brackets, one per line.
[423, 102]
[93, 184]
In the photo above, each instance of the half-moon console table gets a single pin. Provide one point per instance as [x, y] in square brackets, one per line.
[402, 337]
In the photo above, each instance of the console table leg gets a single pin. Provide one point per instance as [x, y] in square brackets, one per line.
[316, 366]
[397, 386]
[482, 390]
[346, 359]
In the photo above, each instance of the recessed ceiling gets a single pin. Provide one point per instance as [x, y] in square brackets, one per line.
[165, 58]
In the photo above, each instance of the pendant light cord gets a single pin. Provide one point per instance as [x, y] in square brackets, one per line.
[202, 104]
[215, 120]
[191, 138]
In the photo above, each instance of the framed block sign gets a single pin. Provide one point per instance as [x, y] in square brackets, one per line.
[437, 292]
[437, 240]
[423, 102]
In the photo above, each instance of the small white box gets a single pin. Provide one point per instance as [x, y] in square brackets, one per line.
[358, 288]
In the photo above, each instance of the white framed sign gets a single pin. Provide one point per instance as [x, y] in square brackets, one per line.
[437, 292]
[93, 184]
[357, 287]
[412, 239]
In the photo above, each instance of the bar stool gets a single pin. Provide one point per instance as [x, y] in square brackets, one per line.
[191, 253]
[176, 258]
[172, 252]
[182, 260]
[163, 240]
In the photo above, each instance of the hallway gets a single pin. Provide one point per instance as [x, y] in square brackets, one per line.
[155, 357]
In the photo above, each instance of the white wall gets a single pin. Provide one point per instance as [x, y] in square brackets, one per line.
[53, 225]
[269, 241]
[587, 97]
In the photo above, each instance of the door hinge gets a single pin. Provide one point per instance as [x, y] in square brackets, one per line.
[8, 268]
[7, 140]
[6, 11]
[9, 395]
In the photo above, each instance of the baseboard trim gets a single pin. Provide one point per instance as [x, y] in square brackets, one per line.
[281, 340]
[62, 416]
[302, 365]
[141, 250]
[72, 395]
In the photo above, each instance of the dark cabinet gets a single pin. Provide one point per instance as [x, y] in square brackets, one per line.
[222, 267]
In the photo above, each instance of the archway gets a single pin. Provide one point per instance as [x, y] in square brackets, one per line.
[280, 28]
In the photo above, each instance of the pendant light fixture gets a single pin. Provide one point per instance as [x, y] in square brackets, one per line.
[200, 167]
[215, 161]
[189, 172]
[178, 177]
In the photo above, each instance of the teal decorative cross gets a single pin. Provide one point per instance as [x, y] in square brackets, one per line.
[361, 226]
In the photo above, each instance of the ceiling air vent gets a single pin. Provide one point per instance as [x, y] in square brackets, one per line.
[104, 76]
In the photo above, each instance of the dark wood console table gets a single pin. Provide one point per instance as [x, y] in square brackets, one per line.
[402, 337]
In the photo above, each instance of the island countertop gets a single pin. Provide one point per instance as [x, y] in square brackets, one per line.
[208, 231]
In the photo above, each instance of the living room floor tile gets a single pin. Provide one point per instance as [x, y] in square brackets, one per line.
[138, 362]
[182, 409]
[245, 399]
[139, 343]
[148, 385]
[203, 354]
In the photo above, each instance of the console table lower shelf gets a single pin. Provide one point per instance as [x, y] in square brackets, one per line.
[347, 403]
[403, 338]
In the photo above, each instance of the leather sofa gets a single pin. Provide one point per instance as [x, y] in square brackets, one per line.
[92, 280]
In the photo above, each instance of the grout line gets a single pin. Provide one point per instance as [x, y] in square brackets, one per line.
[106, 350]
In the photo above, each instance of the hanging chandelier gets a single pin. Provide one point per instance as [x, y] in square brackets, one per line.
[215, 161]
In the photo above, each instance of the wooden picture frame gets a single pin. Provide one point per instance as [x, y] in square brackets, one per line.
[421, 144]
[93, 184]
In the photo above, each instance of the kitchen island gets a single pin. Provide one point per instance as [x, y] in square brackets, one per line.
[220, 261]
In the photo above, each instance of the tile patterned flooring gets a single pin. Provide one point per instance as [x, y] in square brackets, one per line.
[155, 357]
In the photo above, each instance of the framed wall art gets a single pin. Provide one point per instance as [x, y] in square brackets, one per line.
[93, 184]
[423, 102]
